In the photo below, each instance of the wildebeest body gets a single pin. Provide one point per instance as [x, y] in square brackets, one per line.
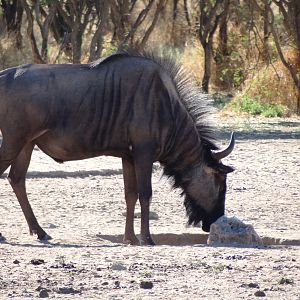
[88, 111]
[125, 106]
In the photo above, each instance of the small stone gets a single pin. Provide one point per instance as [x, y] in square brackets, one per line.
[118, 266]
[43, 293]
[253, 285]
[16, 262]
[260, 294]
[67, 290]
[284, 280]
[146, 284]
[37, 262]
[68, 266]
[230, 231]
[52, 226]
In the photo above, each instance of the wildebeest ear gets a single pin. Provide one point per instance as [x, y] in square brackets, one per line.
[224, 169]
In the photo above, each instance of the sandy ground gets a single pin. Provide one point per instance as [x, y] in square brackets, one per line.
[80, 204]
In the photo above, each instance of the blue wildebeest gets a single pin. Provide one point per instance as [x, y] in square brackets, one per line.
[134, 106]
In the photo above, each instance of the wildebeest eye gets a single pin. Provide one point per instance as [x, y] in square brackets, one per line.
[222, 169]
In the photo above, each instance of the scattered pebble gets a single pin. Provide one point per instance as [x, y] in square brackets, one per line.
[284, 280]
[118, 266]
[52, 226]
[67, 290]
[253, 285]
[37, 261]
[43, 293]
[260, 294]
[16, 262]
[146, 284]
[235, 257]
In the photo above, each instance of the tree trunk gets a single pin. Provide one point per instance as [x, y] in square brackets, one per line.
[207, 66]
[139, 20]
[76, 41]
[223, 32]
[186, 13]
[296, 11]
[208, 22]
[266, 47]
[30, 32]
[298, 103]
[44, 24]
[13, 13]
[221, 55]
[159, 8]
[97, 40]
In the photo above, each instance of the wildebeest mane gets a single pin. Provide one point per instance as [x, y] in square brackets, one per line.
[191, 95]
[197, 104]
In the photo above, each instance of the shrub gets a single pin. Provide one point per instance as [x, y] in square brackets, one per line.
[254, 106]
[272, 85]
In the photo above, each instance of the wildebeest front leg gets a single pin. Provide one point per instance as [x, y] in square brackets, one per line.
[143, 169]
[16, 178]
[131, 195]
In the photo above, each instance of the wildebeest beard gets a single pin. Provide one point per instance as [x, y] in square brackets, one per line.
[195, 212]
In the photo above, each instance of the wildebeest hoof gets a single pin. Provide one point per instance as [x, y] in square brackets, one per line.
[147, 241]
[131, 241]
[41, 234]
[44, 238]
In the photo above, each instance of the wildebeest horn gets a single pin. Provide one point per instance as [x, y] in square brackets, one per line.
[219, 154]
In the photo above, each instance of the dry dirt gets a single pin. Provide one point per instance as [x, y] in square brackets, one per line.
[80, 204]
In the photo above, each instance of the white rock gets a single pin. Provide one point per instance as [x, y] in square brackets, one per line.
[118, 266]
[228, 231]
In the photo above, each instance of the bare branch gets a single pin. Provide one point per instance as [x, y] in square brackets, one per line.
[35, 51]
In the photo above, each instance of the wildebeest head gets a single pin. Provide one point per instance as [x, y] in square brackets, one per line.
[205, 188]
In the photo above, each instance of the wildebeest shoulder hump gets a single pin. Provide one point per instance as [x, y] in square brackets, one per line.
[99, 62]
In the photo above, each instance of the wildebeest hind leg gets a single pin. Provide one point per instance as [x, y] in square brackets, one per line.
[131, 196]
[16, 179]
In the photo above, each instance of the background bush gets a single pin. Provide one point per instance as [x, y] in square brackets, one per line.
[245, 50]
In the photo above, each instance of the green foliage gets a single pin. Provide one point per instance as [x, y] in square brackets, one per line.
[254, 106]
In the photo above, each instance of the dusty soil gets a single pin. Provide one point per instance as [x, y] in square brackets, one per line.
[80, 204]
